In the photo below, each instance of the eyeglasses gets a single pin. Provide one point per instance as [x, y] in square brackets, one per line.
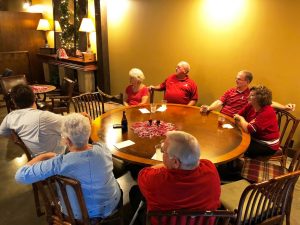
[160, 146]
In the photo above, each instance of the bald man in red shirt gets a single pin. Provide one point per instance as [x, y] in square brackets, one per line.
[178, 87]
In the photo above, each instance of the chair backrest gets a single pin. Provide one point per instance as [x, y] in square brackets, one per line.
[67, 87]
[7, 83]
[90, 103]
[17, 140]
[287, 124]
[54, 190]
[266, 203]
[152, 91]
[109, 98]
[58, 188]
[190, 217]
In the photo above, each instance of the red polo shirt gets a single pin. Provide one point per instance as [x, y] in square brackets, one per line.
[166, 189]
[234, 101]
[263, 125]
[179, 91]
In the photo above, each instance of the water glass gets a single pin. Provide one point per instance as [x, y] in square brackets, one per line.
[164, 104]
[152, 108]
[221, 121]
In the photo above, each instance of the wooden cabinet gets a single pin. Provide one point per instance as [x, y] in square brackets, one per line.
[85, 70]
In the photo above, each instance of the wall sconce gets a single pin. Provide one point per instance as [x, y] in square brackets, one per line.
[87, 26]
[57, 27]
[44, 26]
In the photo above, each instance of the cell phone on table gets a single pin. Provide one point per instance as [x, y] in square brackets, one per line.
[117, 126]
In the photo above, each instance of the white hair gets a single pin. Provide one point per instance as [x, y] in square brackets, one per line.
[184, 147]
[185, 65]
[137, 73]
[77, 128]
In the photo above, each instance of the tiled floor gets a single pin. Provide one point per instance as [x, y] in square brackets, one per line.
[16, 200]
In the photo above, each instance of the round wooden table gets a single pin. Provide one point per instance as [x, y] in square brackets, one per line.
[42, 89]
[217, 144]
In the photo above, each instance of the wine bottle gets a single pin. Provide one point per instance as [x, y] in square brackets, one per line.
[124, 123]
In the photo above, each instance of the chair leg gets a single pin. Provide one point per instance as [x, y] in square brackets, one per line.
[37, 201]
[136, 213]
[288, 210]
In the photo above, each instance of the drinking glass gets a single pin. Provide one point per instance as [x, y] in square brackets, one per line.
[221, 121]
[164, 104]
[152, 108]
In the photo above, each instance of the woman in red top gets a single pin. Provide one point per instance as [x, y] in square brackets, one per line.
[136, 93]
[259, 119]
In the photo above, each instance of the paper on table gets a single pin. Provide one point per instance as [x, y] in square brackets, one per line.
[144, 110]
[227, 125]
[158, 155]
[161, 109]
[124, 144]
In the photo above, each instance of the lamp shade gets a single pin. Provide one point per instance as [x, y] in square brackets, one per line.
[43, 25]
[87, 25]
[57, 26]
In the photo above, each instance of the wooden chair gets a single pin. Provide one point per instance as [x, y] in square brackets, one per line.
[60, 102]
[90, 103]
[7, 83]
[152, 91]
[17, 140]
[110, 101]
[190, 217]
[264, 203]
[56, 189]
[287, 124]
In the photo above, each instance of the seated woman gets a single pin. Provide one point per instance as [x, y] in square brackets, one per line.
[136, 93]
[259, 119]
[90, 164]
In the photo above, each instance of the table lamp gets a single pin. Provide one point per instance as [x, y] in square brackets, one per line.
[44, 26]
[87, 26]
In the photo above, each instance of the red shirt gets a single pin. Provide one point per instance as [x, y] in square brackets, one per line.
[263, 125]
[234, 101]
[135, 98]
[179, 91]
[166, 189]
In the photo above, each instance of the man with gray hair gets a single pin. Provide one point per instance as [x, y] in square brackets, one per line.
[182, 181]
[178, 87]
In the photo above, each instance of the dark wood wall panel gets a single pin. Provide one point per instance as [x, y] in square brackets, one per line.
[18, 33]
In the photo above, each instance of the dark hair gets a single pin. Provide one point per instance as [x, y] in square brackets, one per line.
[248, 75]
[23, 96]
[263, 95]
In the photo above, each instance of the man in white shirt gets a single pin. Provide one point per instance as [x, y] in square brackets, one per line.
[39, 130]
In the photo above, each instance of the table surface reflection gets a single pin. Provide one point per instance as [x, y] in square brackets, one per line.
[219, 145]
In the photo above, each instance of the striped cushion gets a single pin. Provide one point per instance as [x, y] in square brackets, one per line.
[258, 171]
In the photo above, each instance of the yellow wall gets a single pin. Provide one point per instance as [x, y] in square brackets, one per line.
[263, 37]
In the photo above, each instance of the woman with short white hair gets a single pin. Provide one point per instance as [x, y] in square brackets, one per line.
[136, 93]
[90, 164]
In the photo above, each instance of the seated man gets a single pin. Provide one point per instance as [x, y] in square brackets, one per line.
[182, 181]
[90, 164]
[259, 119]
[234, 99]
[178, 87]
[39, 130]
